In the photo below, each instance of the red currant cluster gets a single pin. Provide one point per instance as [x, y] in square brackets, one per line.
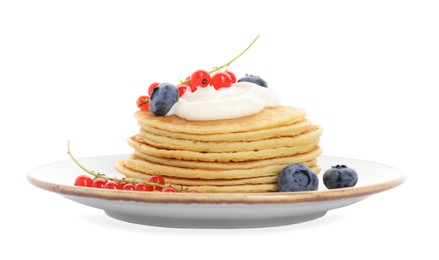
[155, 183]
[200, 78]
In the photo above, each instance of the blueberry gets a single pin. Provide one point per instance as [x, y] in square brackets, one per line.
[297, 177]
[254, 79]
[340, 176]
[164, 96]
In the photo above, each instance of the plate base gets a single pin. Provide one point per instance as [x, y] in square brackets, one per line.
[207, 210]
[219, 223]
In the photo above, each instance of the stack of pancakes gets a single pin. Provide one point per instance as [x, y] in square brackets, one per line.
[233, 155]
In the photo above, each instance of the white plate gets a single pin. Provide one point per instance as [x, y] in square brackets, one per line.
[208, 210]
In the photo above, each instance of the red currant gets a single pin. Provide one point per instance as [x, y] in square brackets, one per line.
[188, 78]
[84, 181]
[99, 183]
[182, 89]
[169, 189]
[121, 184]
[152, 87]
[143, 187]
[128, 186]
[189, 84]
[221, 80]
[143, 103]
[112, 185]
[232, 76]
[157, 179]
[200, 78]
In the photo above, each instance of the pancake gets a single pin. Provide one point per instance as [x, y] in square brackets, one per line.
[285, 130]
[157, 169]
[138, 164]
[164, 142]
[257, 188]
[136, 175]
[311, 155]
[270, 117]
[132, 174]
[222, 157]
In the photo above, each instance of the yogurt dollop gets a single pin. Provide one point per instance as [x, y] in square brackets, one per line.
[241, 99]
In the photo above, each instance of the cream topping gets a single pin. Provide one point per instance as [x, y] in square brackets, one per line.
[241, 99]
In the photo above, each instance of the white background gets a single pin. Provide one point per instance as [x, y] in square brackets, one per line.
[365, 70]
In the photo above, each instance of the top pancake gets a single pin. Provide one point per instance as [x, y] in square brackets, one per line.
[270, 117]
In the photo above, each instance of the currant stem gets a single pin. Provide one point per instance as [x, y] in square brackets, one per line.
[228, 63]
[78, 164]
[237, 57]
[103, 176]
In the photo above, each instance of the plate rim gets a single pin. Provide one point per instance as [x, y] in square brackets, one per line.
[217, 198]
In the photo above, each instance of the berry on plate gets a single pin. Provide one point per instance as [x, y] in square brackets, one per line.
[169, 189]
[297, 177]
[143, 187]
[84, 181]
[98, 183]
[111, 185]
[128, 186]
[157, 179]
[340, 176]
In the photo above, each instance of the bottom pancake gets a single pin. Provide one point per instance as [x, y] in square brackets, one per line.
[257, 188]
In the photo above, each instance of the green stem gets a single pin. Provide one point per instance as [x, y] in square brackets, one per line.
[100, 175]
[78, 164]
[228, 63]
